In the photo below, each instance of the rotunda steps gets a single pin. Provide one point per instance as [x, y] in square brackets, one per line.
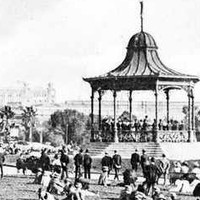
[98, 149]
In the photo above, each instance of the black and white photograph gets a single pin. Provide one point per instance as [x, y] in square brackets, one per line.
[99, 99]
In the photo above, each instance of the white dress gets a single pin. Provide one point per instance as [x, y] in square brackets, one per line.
[46, 178]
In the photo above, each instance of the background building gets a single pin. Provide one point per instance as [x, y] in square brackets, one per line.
[22, 94]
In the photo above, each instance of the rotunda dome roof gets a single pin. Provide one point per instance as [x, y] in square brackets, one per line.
[142, 40]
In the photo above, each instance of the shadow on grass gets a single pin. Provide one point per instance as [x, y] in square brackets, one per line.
[25, 199]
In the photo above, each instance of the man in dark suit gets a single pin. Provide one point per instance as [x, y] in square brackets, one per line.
[2, 159]
[135, 160]
[78, 161]
[117, 164]
[87, 162]
[107, 162]
[64, 159]
[44, 160]
[143, 160]
[152, 173]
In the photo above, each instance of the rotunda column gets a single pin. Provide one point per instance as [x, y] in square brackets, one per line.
[92, 115]
[100, 98]
[156, 136]
[116, 139]
[167, 98]
[130, 110]
[193, 112]
[189, 115]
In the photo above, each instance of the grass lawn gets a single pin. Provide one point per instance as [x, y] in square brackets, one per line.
[21, 188]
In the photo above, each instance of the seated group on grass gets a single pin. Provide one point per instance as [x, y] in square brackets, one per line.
[184, 178]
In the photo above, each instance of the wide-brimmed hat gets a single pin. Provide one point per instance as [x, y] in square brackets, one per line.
[161, 197]
[185, 163]
[196, 164]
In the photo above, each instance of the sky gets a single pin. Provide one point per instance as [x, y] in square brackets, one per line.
[61, 41]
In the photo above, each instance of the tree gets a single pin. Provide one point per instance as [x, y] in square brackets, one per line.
[29, 120]
[71, 124]
[196, 115]
[6, 114]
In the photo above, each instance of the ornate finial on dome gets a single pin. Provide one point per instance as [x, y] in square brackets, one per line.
[141, 15]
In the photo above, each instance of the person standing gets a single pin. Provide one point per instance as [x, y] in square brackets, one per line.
[56, 163]
[107, 162]
[2, 159]
[135, 160]
[87, 163]
[165, 165]
[143, 160]
[78, 161]
[64, 159]
[44, 160]
[117, 164]
[152, 172]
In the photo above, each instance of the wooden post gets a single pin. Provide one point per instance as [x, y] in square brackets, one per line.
[156, 116]
[189, 115]
[167, 98]
[92, 116]
[100, 97]
[130, 109]
[193, 113]
[116, 140]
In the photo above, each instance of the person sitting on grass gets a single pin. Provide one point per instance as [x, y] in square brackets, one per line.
[184, 167]
[177, 167]
[161, 197]
[196, 170]
[130, 177]
[126, 193]
[56, 186]
[156, 193]
[140, 194]
[44, 195]
[75, 192]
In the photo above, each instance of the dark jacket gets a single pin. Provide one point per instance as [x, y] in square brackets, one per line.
[152, 173]
[45, 161]
[2, 158]
[78, 159]
[64, 159]
[135, 158]
[106, 161]
[117, 160]
[143, 159]
[87, 160]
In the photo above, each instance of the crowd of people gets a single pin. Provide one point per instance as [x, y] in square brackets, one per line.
[52, 172]
[141, 130]
[176, 177]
